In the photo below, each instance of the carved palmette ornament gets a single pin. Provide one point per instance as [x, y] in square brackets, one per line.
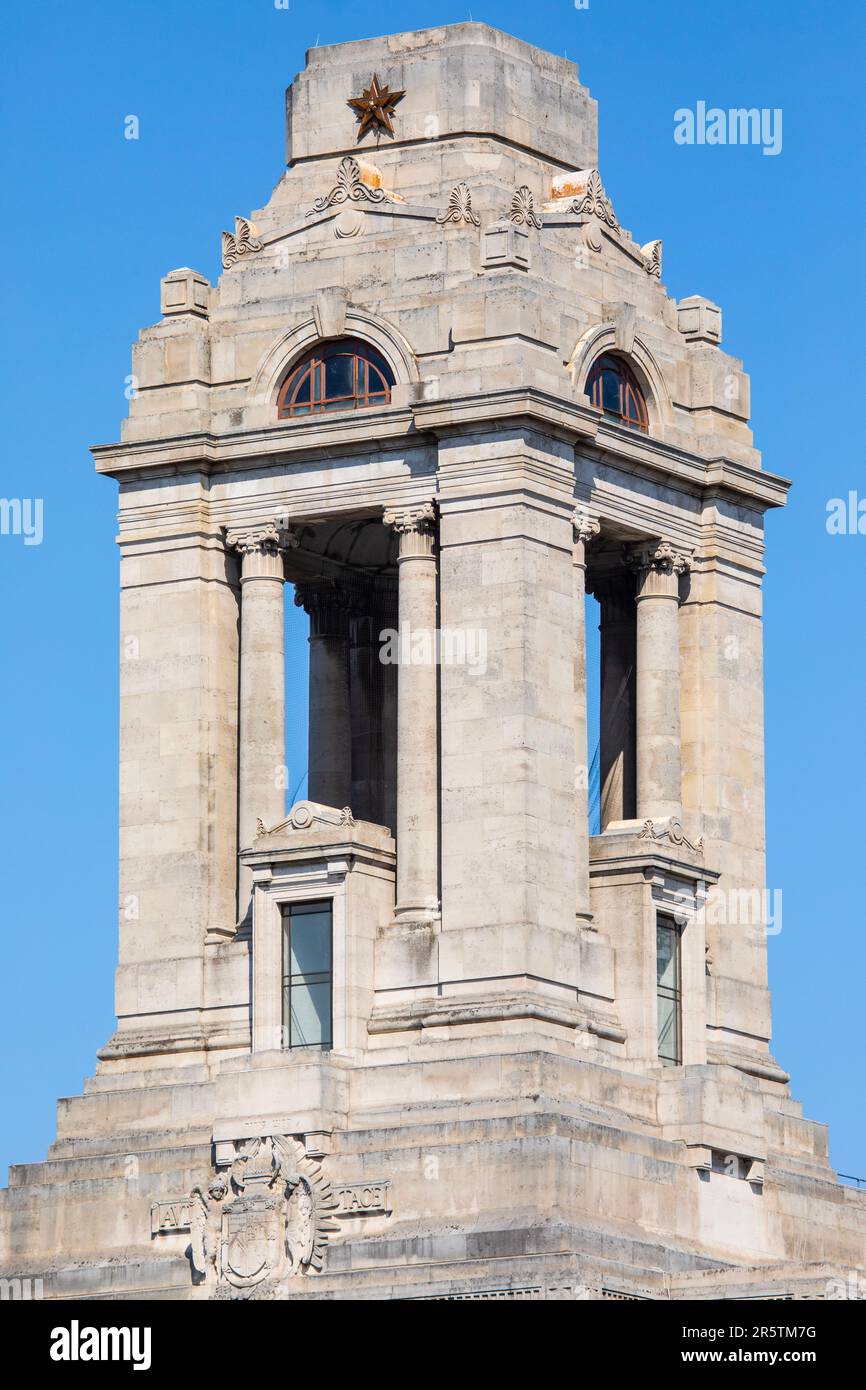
[264, 1225]
[652, 255]
[236, 245]
[673, 832]
[349, 188]
[523, 211]
[459, 209]
[595, 202]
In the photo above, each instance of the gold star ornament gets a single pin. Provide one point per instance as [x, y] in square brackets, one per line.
[374, 109]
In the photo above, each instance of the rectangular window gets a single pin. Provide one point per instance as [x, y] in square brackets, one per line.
[668, 992]
[307, 975]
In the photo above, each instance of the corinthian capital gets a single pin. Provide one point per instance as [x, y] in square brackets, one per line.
[414, 525]
[328, 602]
[265, 538]
[660, 557]
[586, 528]
[419, 517]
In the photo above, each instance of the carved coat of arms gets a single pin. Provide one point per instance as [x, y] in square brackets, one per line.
[262, 1222]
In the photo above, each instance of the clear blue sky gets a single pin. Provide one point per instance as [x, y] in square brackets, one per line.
[90, 223]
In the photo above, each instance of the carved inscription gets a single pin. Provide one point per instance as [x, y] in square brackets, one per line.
[363, 1199]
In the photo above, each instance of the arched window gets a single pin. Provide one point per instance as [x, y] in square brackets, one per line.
[345, 374]
[611, 387]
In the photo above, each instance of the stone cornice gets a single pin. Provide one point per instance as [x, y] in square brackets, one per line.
[633, 859]
[420, 423]
[725, 477]
[448, 415]
[618, 447]
[205, 451]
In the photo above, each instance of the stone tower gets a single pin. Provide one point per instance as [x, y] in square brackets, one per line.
[422, 1035]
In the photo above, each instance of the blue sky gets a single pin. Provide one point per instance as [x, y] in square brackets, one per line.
[92, 220]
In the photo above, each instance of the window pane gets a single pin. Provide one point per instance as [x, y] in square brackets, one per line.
[339, 376]
[666, 956]
[310, 943]
[375, 380]
[302, 392]
[318, 381]
[668, 1030]
[610, 392]
[378, 362]
[611, 388]
[310, 1023]
[633, 411]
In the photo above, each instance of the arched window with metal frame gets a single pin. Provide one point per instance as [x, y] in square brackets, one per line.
[343, 374]
[612, 387]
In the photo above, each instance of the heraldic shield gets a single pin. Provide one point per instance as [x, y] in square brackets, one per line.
[263, 1223]
[252, 1243]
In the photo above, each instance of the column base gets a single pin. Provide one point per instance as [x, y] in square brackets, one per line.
[417, 914]
[218, 936]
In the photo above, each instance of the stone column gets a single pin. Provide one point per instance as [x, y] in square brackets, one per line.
[417, 715]
[328, 602]
[584, 530]
[262, 705]
[615, 590]
[366, 705]
[386, 619]
[373, 693]
[659, 760]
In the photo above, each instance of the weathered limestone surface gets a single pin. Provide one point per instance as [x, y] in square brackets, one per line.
[492, 1119]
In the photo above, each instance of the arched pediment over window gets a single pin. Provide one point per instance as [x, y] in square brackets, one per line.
[601, 359]
[374, 341]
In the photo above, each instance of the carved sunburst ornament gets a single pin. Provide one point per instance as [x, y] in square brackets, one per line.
[374, 109]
